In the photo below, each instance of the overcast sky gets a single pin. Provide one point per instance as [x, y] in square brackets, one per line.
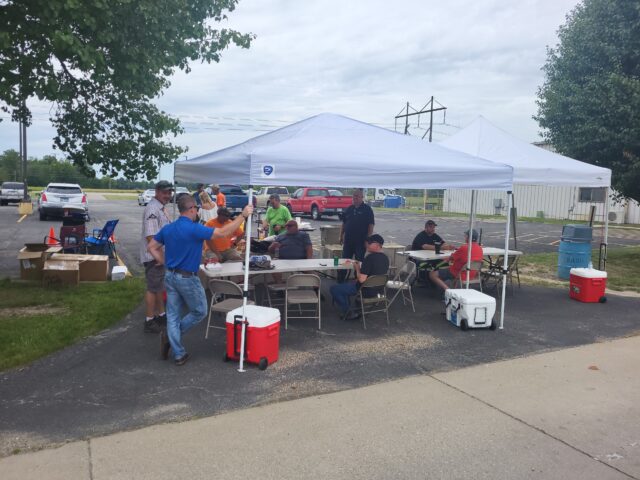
[363, 59]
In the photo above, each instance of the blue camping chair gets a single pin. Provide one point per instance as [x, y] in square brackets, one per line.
[100, 243]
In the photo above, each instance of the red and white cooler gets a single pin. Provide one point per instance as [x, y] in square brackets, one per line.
[587, 285]
[262, 335]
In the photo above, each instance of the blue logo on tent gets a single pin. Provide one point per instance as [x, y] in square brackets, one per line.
[267, 169]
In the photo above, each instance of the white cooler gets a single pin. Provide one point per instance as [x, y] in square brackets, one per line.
[470, 308]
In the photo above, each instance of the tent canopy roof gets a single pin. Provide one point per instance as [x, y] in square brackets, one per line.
[531, 165]
[330, 149]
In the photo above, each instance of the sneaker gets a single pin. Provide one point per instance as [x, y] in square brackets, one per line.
[161, 320]
[182, 360]
[164, 344]
[151, 326]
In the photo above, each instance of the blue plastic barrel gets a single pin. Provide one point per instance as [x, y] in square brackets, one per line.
[572, 255]
[392, 201]
[577, 233]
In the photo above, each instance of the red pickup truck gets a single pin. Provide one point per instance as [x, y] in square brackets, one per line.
[316, 202]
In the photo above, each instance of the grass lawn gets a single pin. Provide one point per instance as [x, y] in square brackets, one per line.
[35, 321]
[623, 267]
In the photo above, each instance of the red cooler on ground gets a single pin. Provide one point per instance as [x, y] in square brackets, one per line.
[262, 335]
[587, 285]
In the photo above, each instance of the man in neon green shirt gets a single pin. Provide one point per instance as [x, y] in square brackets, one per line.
[277, 216]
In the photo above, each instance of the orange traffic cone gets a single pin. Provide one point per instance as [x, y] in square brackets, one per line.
[51, 238]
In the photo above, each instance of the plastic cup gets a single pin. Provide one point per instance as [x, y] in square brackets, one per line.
[437, 245]
[336, 261]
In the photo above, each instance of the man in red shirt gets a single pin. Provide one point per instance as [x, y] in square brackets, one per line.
[458, 261]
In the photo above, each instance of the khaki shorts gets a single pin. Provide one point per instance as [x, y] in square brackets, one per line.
[154, 274]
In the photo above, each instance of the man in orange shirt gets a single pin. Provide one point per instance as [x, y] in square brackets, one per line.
[458, 261]
[224, 247]
[218, 196]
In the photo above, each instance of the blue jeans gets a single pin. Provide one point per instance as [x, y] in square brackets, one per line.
[341, 292]
[183, 291]
[349, 250]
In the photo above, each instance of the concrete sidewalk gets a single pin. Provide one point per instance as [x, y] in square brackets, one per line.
[567, 414]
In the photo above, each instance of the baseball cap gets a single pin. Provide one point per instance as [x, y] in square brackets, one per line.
[431, 222]
[375, 238]
[164, 185]
[474, 235]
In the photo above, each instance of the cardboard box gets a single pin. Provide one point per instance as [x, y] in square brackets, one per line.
[60, 272]
[330, 251]
[93, 268]
[32, 257]
[329, 235]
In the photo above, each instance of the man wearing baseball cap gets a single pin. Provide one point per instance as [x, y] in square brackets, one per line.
[458, 261]
[427, 238]
[154, 218]
[374, 263]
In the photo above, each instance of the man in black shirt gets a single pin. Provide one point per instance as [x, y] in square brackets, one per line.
[427, 238]
[357, 225]
[375, 263]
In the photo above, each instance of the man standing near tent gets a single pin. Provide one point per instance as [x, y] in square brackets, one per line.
[154, 218]
[458, 261]
[182, 242]
[357, 224]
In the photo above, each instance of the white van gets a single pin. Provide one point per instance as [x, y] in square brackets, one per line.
[11, 192]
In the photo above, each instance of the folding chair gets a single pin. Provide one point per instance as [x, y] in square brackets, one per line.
[475, 267]
[374, 281]
[72, 239]
[492, 277]
[402, 282]
[100, 242]
[232, 294]
[302, 289]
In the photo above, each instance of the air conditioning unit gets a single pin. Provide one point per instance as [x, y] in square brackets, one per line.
[497, 203]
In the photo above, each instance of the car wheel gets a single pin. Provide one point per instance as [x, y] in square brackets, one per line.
[2, 203]
[315, 213]
[43, 216]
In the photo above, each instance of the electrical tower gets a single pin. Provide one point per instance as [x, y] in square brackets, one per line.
[429, 108]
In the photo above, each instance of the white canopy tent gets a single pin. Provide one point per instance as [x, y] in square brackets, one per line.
[334, 150]
[531, 165]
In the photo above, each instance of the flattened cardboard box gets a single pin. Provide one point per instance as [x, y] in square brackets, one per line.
[60, 272]
[93, 268]
[32, 257]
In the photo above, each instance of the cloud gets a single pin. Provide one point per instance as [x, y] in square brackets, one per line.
[365, 59]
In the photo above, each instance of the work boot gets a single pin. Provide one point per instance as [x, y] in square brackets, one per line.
[151, 326]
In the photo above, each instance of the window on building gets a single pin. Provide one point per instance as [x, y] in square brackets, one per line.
[593, 194]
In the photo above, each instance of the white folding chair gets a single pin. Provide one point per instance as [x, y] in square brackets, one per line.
[402, 283]
[303, 289]
[232, 299]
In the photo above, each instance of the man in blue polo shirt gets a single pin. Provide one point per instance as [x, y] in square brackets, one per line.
[182, 241]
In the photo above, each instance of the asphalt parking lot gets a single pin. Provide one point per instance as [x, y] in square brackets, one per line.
[398, 227]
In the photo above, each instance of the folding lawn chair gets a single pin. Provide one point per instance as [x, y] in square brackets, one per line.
[100, 242]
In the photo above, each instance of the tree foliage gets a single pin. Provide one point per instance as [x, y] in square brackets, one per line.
[589, 104]
[102, 62]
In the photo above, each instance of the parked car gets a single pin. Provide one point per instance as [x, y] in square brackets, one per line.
[179, 191]
[146, 196]
[262, 196]
[235, 198]
[58, 196]
[11, 192]
[317, 202]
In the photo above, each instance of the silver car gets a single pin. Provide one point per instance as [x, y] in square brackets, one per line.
[58, 197]
[146, 196]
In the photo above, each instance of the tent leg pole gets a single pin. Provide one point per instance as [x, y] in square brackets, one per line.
[505, 263]
[245, 291]
[471, 221]
[605, 240]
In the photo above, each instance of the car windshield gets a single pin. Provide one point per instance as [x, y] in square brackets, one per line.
[63, 189]
[13, 185]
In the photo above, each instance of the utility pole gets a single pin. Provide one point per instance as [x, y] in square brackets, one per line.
[432, 108]
[406, 113]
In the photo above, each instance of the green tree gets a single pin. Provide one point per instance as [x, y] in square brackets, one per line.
[589, 104]
[102, 62]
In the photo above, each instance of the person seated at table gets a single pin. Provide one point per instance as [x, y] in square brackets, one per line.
[374, 263]
[276, 217]
[293, 245]
[427, 238]
[458, 261]
[224, 247]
